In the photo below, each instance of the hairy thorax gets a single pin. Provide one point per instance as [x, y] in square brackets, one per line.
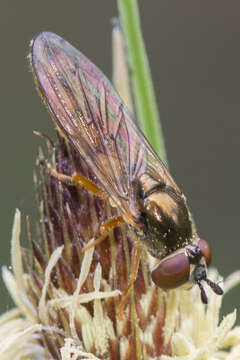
[167, 224]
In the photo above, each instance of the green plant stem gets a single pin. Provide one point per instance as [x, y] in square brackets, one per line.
[140, 77]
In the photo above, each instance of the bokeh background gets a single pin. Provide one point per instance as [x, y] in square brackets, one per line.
[194, 52]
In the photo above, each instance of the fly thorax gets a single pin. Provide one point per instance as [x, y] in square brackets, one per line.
[166, 217]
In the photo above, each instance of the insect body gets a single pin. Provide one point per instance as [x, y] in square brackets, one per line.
[87, 110]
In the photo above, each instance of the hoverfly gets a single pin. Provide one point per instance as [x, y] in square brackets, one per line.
[90, 114]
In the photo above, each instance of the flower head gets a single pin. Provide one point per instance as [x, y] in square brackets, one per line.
[67, 300]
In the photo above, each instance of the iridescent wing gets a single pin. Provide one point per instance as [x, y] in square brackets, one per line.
[87, 109]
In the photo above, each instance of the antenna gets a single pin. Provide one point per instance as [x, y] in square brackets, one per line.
[203, 293]
[215, 287]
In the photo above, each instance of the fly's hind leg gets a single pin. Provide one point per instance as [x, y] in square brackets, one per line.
[75, 179]
[80, 181]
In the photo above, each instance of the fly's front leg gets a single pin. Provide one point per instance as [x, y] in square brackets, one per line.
[135, 260]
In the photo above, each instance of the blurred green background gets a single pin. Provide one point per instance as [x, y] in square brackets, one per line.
[194, 52]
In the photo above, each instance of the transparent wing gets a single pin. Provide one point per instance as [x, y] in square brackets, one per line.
[85, 106]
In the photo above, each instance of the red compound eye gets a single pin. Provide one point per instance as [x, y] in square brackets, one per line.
[172, 271]
[205, 250]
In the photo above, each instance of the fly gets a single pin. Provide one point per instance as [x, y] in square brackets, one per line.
[90, 114]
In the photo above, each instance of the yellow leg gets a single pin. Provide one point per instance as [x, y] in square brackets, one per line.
[104, 230]
[81, 181]
[76, 179]
[135, 260]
